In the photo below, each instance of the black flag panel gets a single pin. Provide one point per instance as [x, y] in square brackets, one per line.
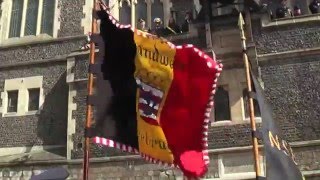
[279, 156]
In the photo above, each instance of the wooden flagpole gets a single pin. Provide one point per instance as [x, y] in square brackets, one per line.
[89, 106]
[251, 107]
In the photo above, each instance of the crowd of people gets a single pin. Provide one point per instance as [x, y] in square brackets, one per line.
[171, 29]
[284, 11]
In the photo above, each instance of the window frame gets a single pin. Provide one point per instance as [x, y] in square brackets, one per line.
[7, 104]
[233, 157]
[133, 3]
[5, 21]
[38, 103]
[213, 114]
[21, 85]
[235, 80]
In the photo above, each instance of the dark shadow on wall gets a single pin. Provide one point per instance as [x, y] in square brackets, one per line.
[53, 118]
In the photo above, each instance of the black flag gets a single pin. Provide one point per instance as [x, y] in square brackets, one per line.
[279, 156]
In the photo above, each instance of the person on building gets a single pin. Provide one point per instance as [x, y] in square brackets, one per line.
[283, 11]
[314, 6]
[296, 11]
[142, 25]
[158, 28]
[187, 21]
[172, 27]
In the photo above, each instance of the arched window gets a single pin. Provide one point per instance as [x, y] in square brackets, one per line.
[125, 12]
[246, 105]
[221, 105]
[157, 11]
[141, 10]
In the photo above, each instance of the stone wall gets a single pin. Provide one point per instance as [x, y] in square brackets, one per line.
[282, 38]
[292, 90]
[48, 127]
[71, 14]
[134, 168]
[16, 55]
[45, 58]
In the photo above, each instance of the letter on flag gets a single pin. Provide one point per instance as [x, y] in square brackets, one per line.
[279, 156]
[154, 97]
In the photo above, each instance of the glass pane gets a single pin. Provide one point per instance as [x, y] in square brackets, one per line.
[33, 99]
[221, 105]
[12, 101]
[47, 17]
[157, 11]
[16, 16]
[141, 12]
[125, 13]
[31, 17]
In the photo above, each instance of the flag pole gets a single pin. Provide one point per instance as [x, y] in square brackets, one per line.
[249, 86]
[89, 106]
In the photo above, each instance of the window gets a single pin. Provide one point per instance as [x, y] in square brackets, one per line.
[31, 17]
[125, 13]
[34, 97]
[133, 10]
[12, 101]
[221, 105]
[22, 96]
[246, 105]
[157, 11]
[141, 11]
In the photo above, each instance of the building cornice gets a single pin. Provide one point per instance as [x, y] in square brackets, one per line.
[282, 57]
[300, 144]
[29, 41]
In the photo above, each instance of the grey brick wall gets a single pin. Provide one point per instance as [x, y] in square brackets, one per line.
[293, 92]
[71, 13]
[286, 37]
[308, 158]
[50, 126]
[81, 67]
[138, 169]
[229, 136]
[38, 52]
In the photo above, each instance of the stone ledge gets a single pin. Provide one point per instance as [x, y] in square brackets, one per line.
[266, 22]
[51, 60]
[290, 54]
[25, 41]
[295, 56]
[137, 157]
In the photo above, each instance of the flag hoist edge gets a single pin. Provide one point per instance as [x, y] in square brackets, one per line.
[211, 63]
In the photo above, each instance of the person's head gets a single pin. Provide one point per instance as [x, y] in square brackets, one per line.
[142, 23]
[157, 21]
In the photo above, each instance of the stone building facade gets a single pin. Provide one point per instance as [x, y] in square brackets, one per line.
[43, 81]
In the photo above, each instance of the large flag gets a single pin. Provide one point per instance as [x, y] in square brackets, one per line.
[280, 160]
[154, 97]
